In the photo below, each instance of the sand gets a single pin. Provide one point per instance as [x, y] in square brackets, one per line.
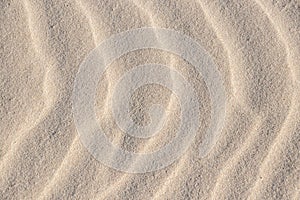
[255, 46]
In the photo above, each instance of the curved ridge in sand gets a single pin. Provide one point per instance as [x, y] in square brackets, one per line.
[256, 45]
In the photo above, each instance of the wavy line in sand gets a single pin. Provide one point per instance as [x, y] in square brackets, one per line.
[168, 177]
[283, 34]
[282, 141]
[211, 17]
[283, 146]
[232, 162]
[113, 186]
[276, 145]
[50, 93]
[50, 184]
[182, 161]
[49, 88]
[122, 180]
[91, 22]
[68, 155]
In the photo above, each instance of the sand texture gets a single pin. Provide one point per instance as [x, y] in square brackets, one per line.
[256, 47]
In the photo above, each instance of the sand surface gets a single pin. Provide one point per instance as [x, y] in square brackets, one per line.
[254, 43]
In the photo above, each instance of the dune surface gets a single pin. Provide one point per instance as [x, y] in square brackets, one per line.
[255, 46]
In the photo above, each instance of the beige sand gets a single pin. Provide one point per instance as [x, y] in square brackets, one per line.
[255, 43]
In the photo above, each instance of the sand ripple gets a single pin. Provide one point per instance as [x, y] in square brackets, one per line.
[256, 45]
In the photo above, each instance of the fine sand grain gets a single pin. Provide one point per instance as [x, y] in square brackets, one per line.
[254, 43]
